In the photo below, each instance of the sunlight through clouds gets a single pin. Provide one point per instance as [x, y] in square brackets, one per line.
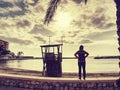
[63, 20]
[91, 24]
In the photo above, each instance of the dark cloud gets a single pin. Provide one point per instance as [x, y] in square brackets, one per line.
[39, 8]
[23, 24]
[65, 41]
[99, 10]
[85, 41]
[78, 1]
[4, 4]
[83, 19]
[64, 1]
[72, 34]
[109, 25]
[22, 4]
[100, 20]
[3, 26]
[11, 12]
[16, 40]
[77, 22]
[34, 2]
[107, 35]
[40, 39]
[39, 29]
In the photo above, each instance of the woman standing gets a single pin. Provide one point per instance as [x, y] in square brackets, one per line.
[81, 54]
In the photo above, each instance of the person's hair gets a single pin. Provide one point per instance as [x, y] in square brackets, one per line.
[81, 47]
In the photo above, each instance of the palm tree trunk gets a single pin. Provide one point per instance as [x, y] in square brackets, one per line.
[118, 20]
[118, 31]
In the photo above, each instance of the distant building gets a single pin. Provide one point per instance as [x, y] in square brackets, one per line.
[4, 44]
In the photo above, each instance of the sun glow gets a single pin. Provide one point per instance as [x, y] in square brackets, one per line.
[63, 20]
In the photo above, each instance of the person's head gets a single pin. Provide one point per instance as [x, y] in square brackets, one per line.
[81, 47]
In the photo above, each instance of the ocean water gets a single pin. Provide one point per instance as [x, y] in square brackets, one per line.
[68, 65]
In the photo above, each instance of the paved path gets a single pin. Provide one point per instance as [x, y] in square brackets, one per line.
[55, 78]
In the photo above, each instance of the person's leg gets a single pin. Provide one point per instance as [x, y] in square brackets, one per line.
[79, 70]
[84, 70]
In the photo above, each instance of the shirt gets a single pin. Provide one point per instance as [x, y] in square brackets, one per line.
[81, 55]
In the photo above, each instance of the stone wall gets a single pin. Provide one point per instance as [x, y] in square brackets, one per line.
[37, 84]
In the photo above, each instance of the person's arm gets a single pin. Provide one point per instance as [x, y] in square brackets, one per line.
[86, 54]
[76, 54]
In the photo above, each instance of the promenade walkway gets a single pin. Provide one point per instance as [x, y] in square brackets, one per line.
[28, 82]
[56, 78]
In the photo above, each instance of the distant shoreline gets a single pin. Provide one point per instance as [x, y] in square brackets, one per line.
[32, 57]
[107, 57]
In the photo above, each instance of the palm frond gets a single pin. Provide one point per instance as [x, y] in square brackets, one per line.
[86, 1]
[118, 18]
[51, 10]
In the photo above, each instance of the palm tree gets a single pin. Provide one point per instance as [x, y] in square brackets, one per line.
[118, 20]
[118, 31]
[19, 54]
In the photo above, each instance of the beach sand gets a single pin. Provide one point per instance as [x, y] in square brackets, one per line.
[17, 71]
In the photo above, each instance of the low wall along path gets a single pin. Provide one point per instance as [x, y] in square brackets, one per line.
[47, 83]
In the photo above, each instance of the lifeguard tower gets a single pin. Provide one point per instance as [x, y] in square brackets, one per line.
[52, 60]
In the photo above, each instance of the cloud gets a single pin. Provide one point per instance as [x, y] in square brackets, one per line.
[16, 40]
[72, 34]
[99, 36]
[9, 8]
[4, 4]
[12, 13]
[86, 41]
[40, 29]
[97, 19]
[40, 39]
[23, 24]
[14, 8]
[100, 20]
[64, 2]
[65, 41]
[39, 8]
[78, 1]
[34, 2]
[21, 4]
[3, 26]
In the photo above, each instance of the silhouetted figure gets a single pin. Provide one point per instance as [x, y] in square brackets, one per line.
[81, 54]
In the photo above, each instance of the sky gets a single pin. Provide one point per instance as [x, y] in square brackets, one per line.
[74, 23]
